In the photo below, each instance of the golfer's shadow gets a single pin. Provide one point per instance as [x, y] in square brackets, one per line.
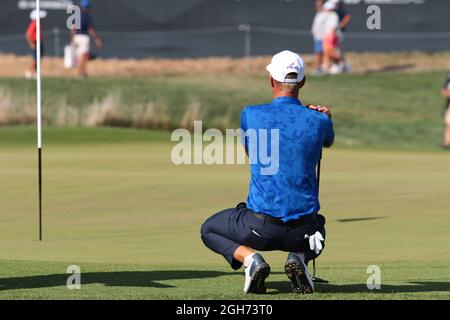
[111, 279]
[419, 286]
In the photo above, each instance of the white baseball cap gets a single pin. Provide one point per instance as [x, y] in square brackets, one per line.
[284, 63]
[33, 14]
[329, 6]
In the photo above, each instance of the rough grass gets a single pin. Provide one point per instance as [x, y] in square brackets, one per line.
[384, 110]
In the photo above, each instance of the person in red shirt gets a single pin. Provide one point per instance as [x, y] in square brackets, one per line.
[31, 36]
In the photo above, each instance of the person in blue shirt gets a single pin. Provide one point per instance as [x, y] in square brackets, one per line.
[81, 38]
[281, 211]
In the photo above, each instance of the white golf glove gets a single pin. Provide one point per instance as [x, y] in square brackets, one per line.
[315, 243]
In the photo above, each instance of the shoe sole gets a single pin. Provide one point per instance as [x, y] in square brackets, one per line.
[257, 284]
[296, 274]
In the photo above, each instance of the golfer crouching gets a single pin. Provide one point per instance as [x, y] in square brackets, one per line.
[281, 212]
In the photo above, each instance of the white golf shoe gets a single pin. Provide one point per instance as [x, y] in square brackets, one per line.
[256, 274]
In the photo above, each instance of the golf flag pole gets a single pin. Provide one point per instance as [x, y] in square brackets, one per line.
[39, 111]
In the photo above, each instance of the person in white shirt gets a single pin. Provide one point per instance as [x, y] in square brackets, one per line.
[331, 38]
[317, 31]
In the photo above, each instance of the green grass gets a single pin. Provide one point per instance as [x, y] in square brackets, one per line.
[26, 136]
[382, 110]
[44, 280]
[130, 219]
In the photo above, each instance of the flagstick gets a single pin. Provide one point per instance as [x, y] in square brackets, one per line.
[39, 114]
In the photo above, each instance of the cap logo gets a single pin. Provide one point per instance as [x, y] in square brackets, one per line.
[293, 66]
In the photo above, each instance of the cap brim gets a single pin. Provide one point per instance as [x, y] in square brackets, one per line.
[269, 69]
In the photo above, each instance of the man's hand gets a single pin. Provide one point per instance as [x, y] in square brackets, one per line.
[322, 109]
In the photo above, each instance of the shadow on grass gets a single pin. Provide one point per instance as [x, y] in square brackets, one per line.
[392, 68]
[149, 279]
[111, 279]
[359, 219]
[282, 287]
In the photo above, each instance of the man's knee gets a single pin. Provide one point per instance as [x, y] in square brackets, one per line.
[207, 228]
[204, 230]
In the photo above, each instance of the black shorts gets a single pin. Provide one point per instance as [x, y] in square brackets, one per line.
[34, 52]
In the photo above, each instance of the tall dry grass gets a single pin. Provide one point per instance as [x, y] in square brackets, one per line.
[109, 110]
[16, 110]
[193, 113]
[152, 115]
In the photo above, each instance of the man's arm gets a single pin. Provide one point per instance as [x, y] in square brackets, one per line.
[29, 37]
[30, 41]
[93, 34]
[345, 21]
[329, 139]
[314, 27]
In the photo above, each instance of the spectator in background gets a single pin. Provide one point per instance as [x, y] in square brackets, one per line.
[331, 39]
[446, 94]
[344, 20]
[317, 31]
[344, 17]
[81, 38]
[31, 36]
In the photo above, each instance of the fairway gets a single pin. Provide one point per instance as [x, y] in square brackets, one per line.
[130, 219]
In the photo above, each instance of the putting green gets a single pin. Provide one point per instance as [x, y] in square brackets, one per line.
[119, 207]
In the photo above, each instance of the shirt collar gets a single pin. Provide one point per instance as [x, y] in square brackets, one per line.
[281, 100]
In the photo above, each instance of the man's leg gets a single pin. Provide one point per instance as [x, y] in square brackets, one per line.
[223, 233]
[82, 66]
[297, 271]
[318, 50]
[218, 237]
[296, 266]
[31, 72]
[326, 59]
[242, 252]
